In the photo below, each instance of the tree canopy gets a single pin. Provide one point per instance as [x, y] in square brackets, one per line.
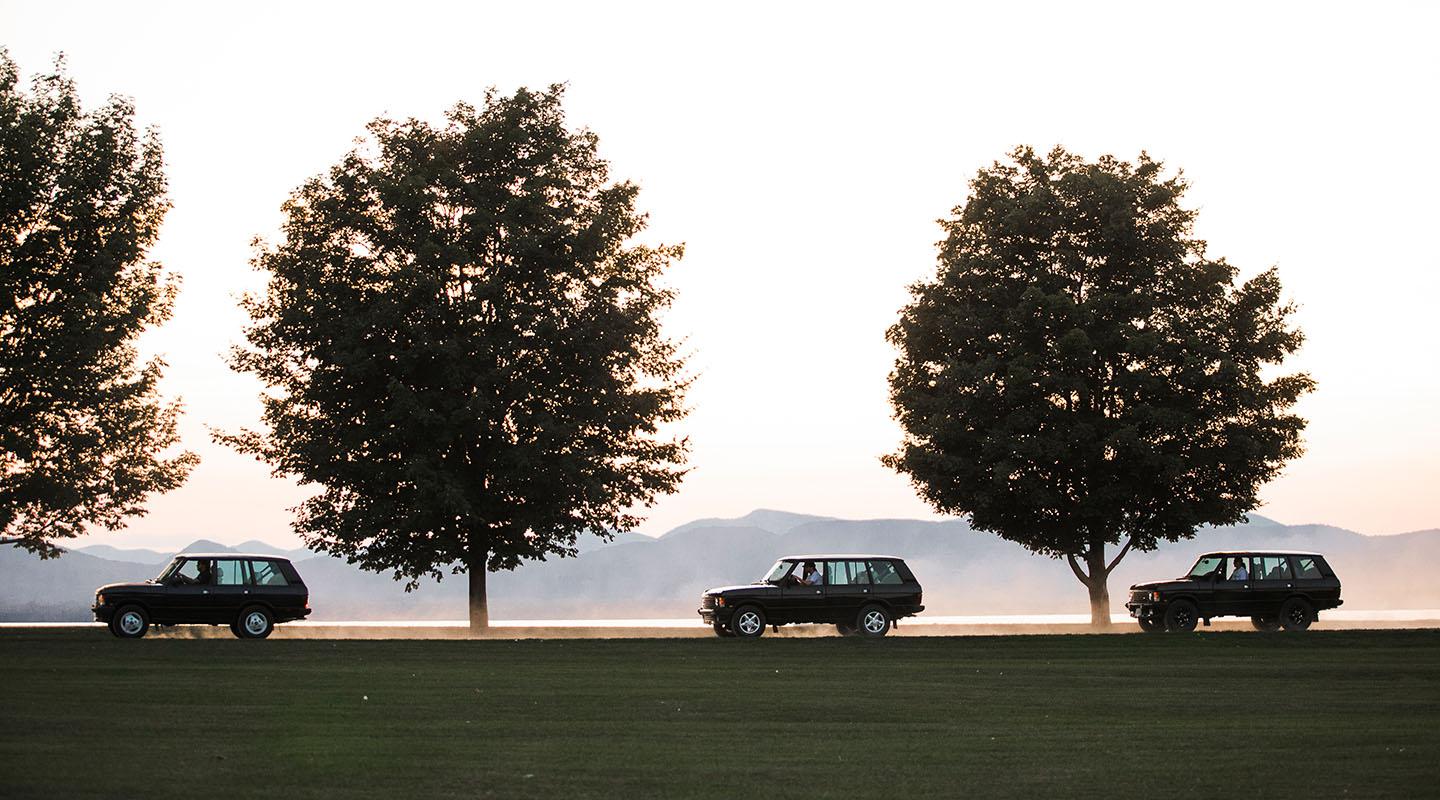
[1079, 373]
[84, 433]
[463, 348]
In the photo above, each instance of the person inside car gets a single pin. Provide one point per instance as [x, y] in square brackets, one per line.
[812, 575]
[1240, 573]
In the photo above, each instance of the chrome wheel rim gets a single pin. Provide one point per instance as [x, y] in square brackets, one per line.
[131, 623]
[874, 622]
[749, 623]
[255, 623]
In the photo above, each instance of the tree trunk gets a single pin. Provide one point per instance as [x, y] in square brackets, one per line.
[1099, 589]
[479, 605]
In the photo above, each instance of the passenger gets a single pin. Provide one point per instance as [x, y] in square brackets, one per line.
[1240, 573]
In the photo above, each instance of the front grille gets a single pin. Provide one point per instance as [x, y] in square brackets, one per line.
[707, 601]
[1140, 597]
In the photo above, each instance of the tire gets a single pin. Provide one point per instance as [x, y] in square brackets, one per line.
[1267, 624]
[130, 622]
[255, 622]
[722, 631]
[1151, 625]
[748, 622]
[845, 628]
[873, 621]
[1296, 614]
[1181, 616]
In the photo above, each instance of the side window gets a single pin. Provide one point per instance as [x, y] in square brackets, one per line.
[859, 573]
[229, 572]
[267, 573]
[885, 572]
[835, 573]
[1272, 568]
[1307, 567]
[190, 571]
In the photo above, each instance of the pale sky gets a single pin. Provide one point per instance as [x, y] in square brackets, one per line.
[803, 152]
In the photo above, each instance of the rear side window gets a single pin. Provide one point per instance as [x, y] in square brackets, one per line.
[267, 573]
[846, 573]
[1272, 568]
[229, 572]
[1307, 568]
[885, 572]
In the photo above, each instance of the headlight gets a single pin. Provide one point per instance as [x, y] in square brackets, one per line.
[1155, 597]
[719, 600]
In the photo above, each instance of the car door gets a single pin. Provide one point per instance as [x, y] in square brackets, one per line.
[230, 592]
[186, 598]
[1231, 596]
[1273, 583]
[802, 602]
[848, 586]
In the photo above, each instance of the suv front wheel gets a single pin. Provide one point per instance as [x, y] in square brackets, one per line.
[1181, 616]
[873, 622]
[130, 622]
[748, 623]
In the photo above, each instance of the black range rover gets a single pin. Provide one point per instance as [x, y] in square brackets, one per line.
[861, 594]
[1274, 588]
[250, 593]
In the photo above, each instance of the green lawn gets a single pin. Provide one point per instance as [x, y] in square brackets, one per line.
[1324, 714]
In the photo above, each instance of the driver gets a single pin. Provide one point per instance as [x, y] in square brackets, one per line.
[812, 575]
[206, 576]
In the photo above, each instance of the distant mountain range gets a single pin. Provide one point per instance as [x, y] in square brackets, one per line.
[634, 576]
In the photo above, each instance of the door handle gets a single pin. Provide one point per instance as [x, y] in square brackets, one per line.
[204, 591]
[817, 591]
[865, 591]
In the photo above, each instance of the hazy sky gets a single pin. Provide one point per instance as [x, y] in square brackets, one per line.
[803, 152]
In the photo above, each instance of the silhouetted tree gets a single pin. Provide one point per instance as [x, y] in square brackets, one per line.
[83, 430]
[464, 349]
[1079, 374]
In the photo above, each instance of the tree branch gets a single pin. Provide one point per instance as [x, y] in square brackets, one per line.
[1075, 567]
[1120, 555]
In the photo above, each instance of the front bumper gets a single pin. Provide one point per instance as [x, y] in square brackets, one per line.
[720, 615]
[103, 613]
[1143, 610]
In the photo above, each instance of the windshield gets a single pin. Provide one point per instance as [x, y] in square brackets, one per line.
[1207, 565]
[778, 571]
[169, 568]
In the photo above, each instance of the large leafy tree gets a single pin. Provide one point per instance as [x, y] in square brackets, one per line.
[84, 433]
[463, 348]
[1079, 374]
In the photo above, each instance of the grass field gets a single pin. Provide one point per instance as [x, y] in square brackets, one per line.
[1329, 714]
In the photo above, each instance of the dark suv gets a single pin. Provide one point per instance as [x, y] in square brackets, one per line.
[250, 593]
[1274, 588]
[861, 594]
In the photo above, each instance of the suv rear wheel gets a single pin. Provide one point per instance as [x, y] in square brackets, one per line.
[1296, 614]
[1181, 616]
[874, 621]
[748, 622]
[130, 622]
[1267, 624]
[254, 622]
